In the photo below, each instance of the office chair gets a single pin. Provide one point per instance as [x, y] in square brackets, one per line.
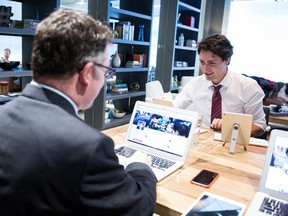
[154, 89]
[270, 126]
[184, 81]
[267, 113]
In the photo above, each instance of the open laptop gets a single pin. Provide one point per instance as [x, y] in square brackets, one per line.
[165, 133]
[273, 189]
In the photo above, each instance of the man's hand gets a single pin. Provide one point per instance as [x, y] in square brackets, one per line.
[141, 157]
[216, 124]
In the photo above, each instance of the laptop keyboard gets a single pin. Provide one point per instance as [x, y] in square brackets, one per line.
[157, 162]
[271, 207]
[160, 163]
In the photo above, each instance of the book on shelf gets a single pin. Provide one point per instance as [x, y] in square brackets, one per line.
[141, 58]
[119, 90]
[120, 85]
[189, 21]
[132, 64]
[125, 30]
[131, 32]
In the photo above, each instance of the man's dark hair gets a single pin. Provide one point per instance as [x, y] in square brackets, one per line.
[218, 44]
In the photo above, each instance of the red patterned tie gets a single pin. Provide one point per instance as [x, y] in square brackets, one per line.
[216, 109]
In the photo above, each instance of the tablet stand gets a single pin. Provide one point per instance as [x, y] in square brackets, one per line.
[234, 136]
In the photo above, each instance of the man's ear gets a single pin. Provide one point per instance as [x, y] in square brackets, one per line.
[86, 74]
[227, 61]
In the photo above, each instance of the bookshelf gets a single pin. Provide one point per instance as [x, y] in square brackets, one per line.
[137, 14]
[113, 11]
[31, 9]
[178, 17]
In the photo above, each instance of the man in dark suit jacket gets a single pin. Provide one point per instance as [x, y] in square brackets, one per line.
[51, 161]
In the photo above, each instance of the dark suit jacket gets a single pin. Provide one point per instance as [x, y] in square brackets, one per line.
[53, 163]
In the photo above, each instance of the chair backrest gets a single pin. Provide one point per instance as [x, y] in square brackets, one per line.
[267, 113]
[184, 81]
[154, 89]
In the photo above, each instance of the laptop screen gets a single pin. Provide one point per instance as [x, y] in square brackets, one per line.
[274, 180]
[162, 128]
[277, 177]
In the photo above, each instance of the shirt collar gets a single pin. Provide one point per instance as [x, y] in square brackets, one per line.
[225, 82]
[57, 92]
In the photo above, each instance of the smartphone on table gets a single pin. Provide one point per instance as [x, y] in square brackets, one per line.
[205, 178]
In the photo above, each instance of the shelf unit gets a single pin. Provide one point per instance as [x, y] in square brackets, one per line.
[172, 25]
[126, 10]
[138, 14]
[31, 9]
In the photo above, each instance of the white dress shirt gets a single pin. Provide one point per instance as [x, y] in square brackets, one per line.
[239, 94]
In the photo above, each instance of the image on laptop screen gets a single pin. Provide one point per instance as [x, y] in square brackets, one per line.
[277, 176]
[160, 129]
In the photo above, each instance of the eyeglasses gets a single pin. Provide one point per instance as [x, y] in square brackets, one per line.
[109, 73]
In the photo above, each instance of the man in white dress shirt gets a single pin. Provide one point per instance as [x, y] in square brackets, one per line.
[239, 93]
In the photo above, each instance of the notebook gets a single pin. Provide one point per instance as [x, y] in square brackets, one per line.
[273, 188]
[164, 133]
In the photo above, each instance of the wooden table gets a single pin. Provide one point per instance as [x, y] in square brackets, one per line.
[239, 172]
[278, 119]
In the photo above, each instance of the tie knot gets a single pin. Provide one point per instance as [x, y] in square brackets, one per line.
[217, 88]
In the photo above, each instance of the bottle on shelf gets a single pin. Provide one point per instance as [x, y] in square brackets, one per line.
[181, 40]
[141, 33]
